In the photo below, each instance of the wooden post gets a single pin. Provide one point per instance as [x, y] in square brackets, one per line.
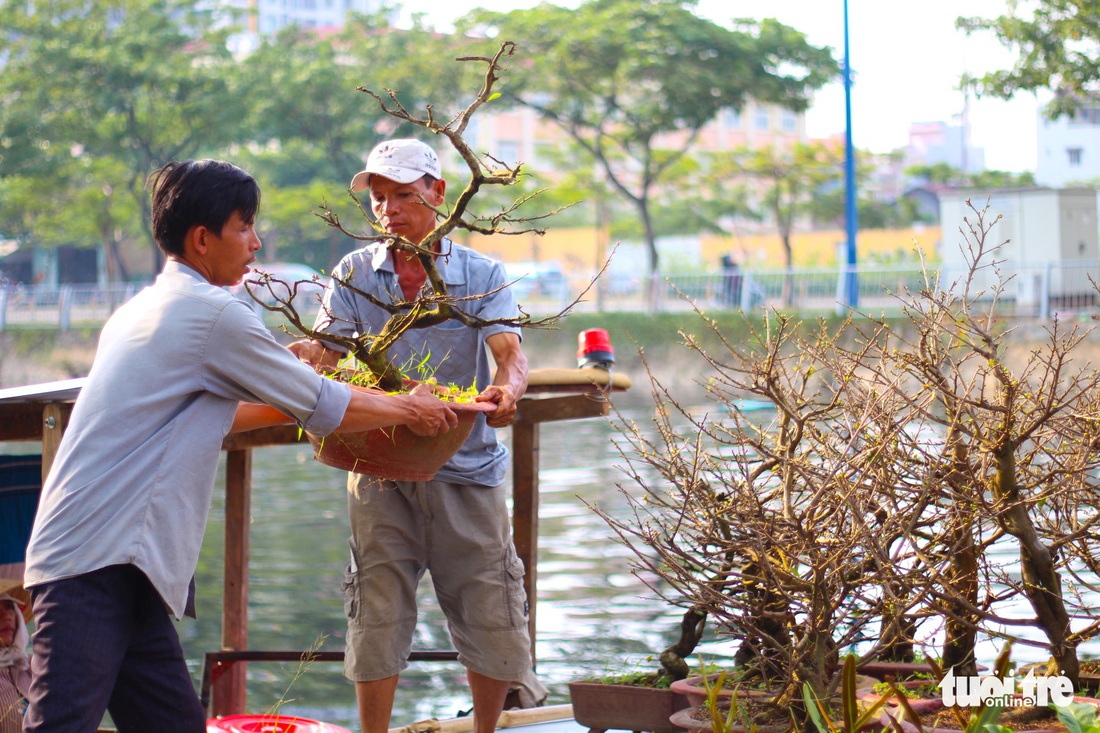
[228, 696]
[525, 508]
[53, 426]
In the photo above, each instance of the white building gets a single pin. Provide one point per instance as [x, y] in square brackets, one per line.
[938, 142]
[1047, 239]
[1069, 148]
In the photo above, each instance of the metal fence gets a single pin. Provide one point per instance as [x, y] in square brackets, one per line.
[1026, 291]
[63, 307]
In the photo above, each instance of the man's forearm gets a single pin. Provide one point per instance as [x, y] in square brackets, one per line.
[370, 410]
[252, 416]
[511, 372]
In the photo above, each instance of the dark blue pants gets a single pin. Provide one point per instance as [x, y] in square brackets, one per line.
[105, 641]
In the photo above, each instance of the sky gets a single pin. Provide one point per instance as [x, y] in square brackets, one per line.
[906, 58]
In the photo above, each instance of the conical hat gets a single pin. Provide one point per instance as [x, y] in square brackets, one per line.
[14, 588]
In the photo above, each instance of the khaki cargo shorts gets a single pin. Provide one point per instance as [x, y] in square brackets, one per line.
[462, 535]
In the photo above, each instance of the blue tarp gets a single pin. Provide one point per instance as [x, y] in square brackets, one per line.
[20, 487]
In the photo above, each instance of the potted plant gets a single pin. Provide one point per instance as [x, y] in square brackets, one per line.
[405, 455]
[897, 454]
[639, 701]
[778, 530]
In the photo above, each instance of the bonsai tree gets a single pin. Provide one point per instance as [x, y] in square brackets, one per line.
[1015, 461]
[433, 305]
[782, 531]
[896, 456]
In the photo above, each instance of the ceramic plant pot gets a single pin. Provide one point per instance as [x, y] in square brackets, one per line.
[397, 453]
[947, 723]
[897, 670]
[868, 697]
[603, 707]
[697, 719]
[693, 689]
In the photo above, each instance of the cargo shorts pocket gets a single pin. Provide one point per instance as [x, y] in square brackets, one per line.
[516, 593]
[351, 589]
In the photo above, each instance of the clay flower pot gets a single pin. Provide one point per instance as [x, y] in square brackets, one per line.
[946, 723]
[396, 452]
[897, 670]
[697, 719]
[868, 697]
[603, 707]
[692, 688]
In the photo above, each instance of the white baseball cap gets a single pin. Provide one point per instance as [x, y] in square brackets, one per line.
[404, 161]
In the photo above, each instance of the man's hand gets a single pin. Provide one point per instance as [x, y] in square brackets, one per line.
[313, 352]
[432, 414]
[505, 400]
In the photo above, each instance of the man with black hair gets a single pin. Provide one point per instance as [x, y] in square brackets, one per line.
[123, 510]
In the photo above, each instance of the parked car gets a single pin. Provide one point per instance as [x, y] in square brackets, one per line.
[536, 280]
[284, 277]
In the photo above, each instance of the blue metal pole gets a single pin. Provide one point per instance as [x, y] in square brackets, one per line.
[851, 291]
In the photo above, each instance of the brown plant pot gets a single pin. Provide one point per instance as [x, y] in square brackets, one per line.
[397, 453]
[697, 719]
[603, 707]
[692, 688]
[868, 697]
[1090, 682]
[897, 670]
[948, 721]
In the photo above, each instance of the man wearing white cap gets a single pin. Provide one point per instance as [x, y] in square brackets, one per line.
[455, 526]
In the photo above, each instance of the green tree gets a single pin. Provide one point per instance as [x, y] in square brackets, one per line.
[782, 186]
[661, 70]
[310, 129]
[1058, 49]
[950, 176]
[301, 88]
[127, 85]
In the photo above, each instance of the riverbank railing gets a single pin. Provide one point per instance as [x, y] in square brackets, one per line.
[1029, 291]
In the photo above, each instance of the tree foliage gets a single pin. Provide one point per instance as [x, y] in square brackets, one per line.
[663, 70]
[784, 185]
[949, 175]
[1059, 50]
[140, 82]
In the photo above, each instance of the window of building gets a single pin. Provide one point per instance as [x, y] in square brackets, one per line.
[1075, 155]
[789, 121]
[761, 119]
[544, 155]
[507, 151]
[731, 119]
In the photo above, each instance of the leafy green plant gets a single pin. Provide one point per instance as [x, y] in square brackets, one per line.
[724, 719]
[983, 720]
[1079, 717]
[852, 717]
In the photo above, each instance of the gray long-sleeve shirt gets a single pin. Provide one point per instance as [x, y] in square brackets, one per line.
[133, 477]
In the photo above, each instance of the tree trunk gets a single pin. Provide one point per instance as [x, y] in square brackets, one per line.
[654, 291]
[896, 634]
[1042, 585]
[788, 270]
[960, 632]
